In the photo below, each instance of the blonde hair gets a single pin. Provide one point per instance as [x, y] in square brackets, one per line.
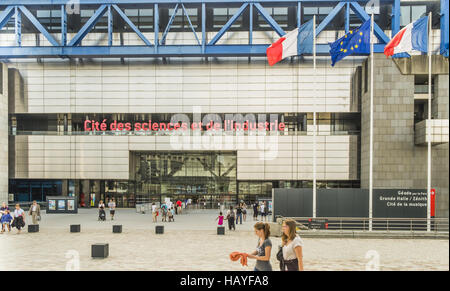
[292, 230]
[265, 227]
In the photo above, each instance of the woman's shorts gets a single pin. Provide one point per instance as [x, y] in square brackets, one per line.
[112, 212]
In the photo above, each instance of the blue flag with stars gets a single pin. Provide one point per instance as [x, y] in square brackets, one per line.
[355, 41]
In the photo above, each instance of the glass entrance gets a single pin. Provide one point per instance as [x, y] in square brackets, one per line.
[204, 177]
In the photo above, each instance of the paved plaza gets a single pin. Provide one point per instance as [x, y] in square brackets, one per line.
[191, 243]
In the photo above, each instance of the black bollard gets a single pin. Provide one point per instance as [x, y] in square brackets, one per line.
[33, 228]
[75, 228]
[220, 230]
[100, 250]
[117, 228]
[159, 229]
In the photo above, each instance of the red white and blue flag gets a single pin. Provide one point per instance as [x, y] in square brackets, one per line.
[412, 39]
[297, 42]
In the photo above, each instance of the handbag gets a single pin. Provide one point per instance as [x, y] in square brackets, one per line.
[280, 257]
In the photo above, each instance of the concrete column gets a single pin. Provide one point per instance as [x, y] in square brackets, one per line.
[3, 133]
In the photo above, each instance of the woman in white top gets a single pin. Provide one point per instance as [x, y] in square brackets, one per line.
[19, 218]
[292, 246]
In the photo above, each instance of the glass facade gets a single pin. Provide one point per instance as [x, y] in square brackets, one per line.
[193, 175]
[29, 190]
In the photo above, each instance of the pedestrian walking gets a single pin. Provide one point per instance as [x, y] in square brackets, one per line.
[18, 218]
[238, 213]
[255, 211]
[230, 218]
[164, 213]
[101, 211]
[154, 212]
[171, 214]
[292, 247]
[112, 208]
[262, 210]
[263, 248]
[35, 212]
[266, 210]
[179, 208]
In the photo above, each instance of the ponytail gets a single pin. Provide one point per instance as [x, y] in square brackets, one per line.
[265, 227]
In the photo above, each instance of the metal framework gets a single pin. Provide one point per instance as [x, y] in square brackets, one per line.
[74, 47]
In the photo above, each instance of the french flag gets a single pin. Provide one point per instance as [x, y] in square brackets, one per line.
[412, 39]
[284, 47]
[297, 42]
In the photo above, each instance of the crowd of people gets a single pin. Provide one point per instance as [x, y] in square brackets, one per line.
[167, 210]
[16, 219]
[238, 214]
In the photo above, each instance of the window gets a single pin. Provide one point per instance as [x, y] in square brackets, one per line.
[222, 15]
[320, 12]
[50, 19]
[279, 14]
[181, 20]
[410, 13]
[142, 18]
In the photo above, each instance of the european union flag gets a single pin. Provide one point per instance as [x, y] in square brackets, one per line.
[355, 41]
[305, 38]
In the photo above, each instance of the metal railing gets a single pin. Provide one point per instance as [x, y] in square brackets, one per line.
[378, 224]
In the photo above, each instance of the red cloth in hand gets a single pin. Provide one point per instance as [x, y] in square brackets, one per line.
[234, 256]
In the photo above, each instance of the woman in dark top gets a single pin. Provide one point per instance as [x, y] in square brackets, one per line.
[263, 249]
[255, 211]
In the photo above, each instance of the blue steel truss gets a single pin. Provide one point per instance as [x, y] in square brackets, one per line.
[74, 48]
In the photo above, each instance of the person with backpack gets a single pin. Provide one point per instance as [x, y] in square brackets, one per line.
[231, 216]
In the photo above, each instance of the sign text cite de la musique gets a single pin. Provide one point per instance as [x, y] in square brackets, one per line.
[228, 125]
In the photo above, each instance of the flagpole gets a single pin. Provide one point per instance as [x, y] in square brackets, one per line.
[429, 127]
[314, 119]
[371, 128]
